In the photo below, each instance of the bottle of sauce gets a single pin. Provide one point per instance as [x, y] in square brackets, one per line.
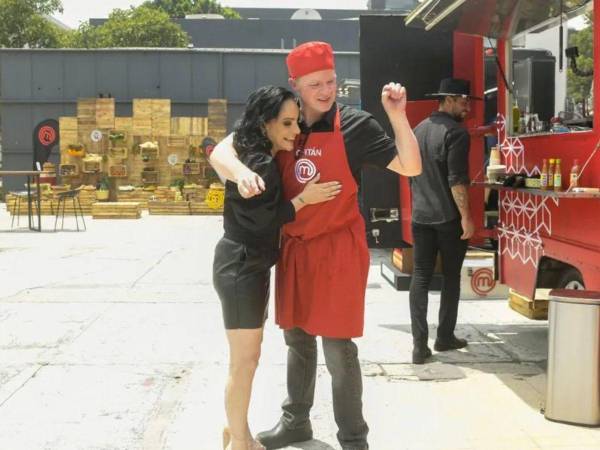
[516, 117]
[574, 175]
[551, 174]
[557, 176]
[544, 175]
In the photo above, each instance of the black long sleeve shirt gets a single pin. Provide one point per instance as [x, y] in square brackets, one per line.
[257, 221]
[444, 146]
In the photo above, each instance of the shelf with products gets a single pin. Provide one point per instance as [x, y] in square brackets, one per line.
[541, 192]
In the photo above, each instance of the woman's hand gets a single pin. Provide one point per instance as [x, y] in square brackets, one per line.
[315, 192]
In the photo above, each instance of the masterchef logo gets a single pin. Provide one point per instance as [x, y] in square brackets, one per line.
[47, 135]
[305, 170]
[482, 281]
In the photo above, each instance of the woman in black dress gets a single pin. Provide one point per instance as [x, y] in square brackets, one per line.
[250, 246]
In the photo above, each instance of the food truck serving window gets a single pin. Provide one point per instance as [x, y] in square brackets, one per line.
[551, 93]
[493, 18]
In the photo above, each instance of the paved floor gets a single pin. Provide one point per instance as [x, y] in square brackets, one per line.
[112, 339]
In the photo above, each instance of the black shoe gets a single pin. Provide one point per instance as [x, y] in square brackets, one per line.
[281, 436]
[420, 354]
[451, 344]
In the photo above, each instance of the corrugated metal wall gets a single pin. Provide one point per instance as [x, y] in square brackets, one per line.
[43, 84]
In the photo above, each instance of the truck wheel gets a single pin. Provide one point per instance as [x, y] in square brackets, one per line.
[571, 279]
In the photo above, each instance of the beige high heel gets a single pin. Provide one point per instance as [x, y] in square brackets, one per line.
[226, 438]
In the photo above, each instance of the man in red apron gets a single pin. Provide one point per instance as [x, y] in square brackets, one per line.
[324, 263]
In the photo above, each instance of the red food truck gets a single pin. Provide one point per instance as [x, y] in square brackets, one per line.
[539, 104]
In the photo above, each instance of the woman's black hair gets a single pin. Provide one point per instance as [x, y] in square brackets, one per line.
[262, 106]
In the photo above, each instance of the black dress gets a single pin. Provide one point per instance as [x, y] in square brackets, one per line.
[250, 245]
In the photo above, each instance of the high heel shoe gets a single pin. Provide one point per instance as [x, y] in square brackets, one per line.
[226, 438]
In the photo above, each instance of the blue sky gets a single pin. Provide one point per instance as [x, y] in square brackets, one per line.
[77, 11]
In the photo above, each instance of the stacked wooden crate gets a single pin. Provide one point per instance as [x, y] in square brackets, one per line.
[217, 118]
[138, 195]
[180, 208]
[105, 113]
[180, 143]
[116, 210]
[164, 194]
[194, 192]
[201, 208]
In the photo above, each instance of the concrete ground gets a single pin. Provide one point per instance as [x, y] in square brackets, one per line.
[112, 338]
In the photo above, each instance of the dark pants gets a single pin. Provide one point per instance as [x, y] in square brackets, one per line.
[341, 358]
[428, 241]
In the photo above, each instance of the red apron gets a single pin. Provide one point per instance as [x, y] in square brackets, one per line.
[322, 272]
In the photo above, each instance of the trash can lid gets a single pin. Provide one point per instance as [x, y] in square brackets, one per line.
[578, 296]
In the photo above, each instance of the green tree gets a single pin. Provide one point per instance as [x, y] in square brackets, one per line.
[134, 27]
[179, 8]
[22, 24]
[578, 87]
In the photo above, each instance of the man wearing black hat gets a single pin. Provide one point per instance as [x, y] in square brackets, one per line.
[441, 219]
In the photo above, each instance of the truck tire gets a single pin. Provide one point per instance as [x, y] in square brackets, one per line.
[571, 279]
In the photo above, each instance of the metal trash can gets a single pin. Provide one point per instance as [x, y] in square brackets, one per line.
[573, 376]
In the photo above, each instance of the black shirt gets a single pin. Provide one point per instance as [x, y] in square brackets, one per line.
[366, 142]
[444, 146]
[257, 221]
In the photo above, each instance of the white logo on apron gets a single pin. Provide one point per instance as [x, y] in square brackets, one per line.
[305, 170]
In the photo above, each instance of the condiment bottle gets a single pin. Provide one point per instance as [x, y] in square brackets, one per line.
[557, 176]
[574, 175]
[516, 117]
[495, 156]
[551, 174]
[544, 175]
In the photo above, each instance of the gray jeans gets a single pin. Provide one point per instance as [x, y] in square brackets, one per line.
[341, 358]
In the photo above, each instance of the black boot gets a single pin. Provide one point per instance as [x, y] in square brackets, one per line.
[281, 436]
[420, 353]
[442, 345]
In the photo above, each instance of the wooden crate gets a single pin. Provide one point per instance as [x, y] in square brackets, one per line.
[181, 126]
[116, 210]
[86, 109]
[137, 195]
[117, 171]
[91, 166]
[177, 141]
[161, 117]
[142, 108]
[199, 126]
[68, 170]
[533, 309]
[124, 124]
[217, 118]
[105, 113]
[191, 168]
[142, 117]
[118, 152]
[179, 208]
[201, 208]
[150, 153]
[195, 193]
[163, 193]
[150, 176]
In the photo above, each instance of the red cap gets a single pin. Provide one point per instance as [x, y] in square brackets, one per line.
[310, 57]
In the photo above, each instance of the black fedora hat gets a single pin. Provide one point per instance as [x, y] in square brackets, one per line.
[454, 87]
